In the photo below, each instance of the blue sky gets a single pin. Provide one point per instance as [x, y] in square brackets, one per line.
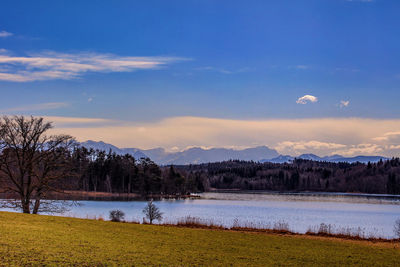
[229, 60]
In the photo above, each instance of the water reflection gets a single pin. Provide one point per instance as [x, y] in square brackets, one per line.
[374, 214]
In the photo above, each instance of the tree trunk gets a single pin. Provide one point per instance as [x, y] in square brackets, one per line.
[26, 206]
[108, 183]
[36, 207]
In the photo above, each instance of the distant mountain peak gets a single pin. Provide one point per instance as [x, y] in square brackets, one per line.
[197, 155]
[333, 158]
[193, 155]
[100, 145]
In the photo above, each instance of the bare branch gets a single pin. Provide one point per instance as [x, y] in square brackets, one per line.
[30, 160]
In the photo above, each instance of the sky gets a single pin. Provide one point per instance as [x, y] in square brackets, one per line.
[305, 76]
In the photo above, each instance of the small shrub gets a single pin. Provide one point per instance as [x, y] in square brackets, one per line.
[281, 226]
[117, 215]
[196, 222]
[325, 229]
[190, 221]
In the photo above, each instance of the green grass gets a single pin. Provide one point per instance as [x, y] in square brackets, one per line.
[46, 240]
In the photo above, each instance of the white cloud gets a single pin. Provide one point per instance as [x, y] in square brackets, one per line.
[90, 99]
[77, 122]
[342, 69]
[4, 34]
[300, 147]
[322, 136]
[361, 149]
[392, 137]
[307, 98]
[35, 107]
[223, 70]
[344, 103]
[301, 67]
[52, 65]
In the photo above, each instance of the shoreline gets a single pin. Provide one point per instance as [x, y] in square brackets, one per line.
[303, 193]
[76, 195]
[99, 209]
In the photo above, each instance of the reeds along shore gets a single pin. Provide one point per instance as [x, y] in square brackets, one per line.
[279, 227]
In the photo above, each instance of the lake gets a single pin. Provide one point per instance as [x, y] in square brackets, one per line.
[374, 214]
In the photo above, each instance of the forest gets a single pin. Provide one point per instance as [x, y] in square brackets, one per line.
[100, 171]
[382, 177]
[108, 172]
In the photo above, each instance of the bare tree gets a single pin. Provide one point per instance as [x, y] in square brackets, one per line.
[396, 228]
[152, 212]
[30, 161]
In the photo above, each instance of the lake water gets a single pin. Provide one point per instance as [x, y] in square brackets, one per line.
[373, 214]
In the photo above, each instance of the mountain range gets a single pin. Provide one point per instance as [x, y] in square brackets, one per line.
[333, 158]
[197, 155]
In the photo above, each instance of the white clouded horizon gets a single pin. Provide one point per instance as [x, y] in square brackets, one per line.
[307, 98]
[323, 136]
[52, 65]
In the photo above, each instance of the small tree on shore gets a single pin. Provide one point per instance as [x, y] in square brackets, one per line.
[152, 212]
[396, 228]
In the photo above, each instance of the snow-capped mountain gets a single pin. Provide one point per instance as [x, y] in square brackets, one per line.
[136, 153]
[362, 159]
[199, 155]
[190, 156]
[279, 159]
[333, 158]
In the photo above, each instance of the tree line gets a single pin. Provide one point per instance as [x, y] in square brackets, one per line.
[100, 171]
[382, 177]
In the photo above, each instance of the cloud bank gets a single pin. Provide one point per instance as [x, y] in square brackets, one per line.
[323, 136]
[52, 65]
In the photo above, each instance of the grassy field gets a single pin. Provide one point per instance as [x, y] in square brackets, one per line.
[46, 240]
